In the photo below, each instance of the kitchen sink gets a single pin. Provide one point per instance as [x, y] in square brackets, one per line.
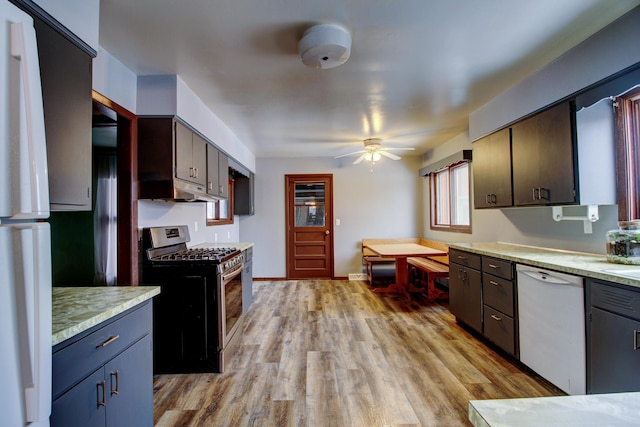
[634, 274]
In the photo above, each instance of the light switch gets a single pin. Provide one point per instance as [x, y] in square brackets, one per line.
[337, 221]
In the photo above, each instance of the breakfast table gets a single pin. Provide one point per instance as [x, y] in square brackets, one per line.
[401, 251]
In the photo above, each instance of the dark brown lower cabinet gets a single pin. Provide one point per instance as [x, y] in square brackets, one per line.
[465, 288]
[105, 376]
[482, 296]
[613, 338]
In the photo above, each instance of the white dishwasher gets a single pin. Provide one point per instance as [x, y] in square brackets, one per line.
[552, 326]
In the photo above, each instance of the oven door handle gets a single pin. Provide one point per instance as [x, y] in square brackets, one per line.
[235, 272]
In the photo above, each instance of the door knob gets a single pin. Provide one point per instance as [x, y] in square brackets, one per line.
[326, 232]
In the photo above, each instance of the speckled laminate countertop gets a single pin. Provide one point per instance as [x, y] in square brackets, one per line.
[577, 263]
[595, 410]
[75, 310]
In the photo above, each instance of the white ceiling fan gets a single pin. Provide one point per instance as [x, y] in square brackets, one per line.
[373, 151]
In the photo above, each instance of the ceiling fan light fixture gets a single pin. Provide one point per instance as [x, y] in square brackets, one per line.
[325, 46]
[373, 156]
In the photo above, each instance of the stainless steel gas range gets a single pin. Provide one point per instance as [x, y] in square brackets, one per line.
[198, 314]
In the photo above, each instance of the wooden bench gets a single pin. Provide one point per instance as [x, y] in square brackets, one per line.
[431, 270]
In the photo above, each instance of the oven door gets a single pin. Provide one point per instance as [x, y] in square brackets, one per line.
[230, 313]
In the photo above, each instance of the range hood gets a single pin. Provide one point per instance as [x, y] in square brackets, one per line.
[175, 190]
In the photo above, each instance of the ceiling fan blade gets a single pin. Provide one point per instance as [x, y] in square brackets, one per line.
[359, 159]
[389, 155]
[397, 148]
[350, 154]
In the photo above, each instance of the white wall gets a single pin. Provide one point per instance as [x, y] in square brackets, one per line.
[526, 226]
[169, 95]
[80, 16]
[385, 203]
[158, 213]
[610, 50]
[113, 80]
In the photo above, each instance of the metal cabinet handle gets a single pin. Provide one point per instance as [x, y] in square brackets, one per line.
[493, 283]
[462, 257]
[117, 389]
[102, 385]
[541, 195]
[109, 341]
[635, 339]
[494, 199]
[209, 185]
[493, 266]
[494, 317]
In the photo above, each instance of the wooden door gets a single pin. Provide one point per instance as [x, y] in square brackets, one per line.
[309, 226]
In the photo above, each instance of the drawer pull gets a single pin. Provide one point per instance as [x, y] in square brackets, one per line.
[635, 339]
[493, 283]
[102, 385]
[493, 266]
[109, 341]
[494, 317]
[462, 257]
[117, 381]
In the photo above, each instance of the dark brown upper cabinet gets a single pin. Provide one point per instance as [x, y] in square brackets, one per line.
[492, 171]
[542, 149]
[65, 71]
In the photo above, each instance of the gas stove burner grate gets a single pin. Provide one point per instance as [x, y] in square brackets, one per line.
[198, 254]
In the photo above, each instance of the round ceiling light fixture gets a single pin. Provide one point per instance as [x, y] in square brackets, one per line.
[325, 46]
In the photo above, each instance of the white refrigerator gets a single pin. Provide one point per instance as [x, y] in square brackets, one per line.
[25, 242]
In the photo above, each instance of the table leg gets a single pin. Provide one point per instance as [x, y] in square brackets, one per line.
[402, 279]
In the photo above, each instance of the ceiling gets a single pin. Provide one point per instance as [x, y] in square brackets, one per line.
[416, 71]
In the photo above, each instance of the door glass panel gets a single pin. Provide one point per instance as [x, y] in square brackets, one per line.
[309, 204]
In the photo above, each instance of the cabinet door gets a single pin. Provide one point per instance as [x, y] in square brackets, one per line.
[66, 92]
[183, 152]
[213, 171]
[199, 160]
[130, 387]
[543, 158]
[223, 175]
[244, 195]
[81, 406]
[492, 171]
[614, 353]
[465, 295]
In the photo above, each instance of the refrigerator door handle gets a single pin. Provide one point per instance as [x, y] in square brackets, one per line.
[33, 175]
[33, 279]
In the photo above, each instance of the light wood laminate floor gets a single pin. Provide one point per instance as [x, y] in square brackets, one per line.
[333, 353]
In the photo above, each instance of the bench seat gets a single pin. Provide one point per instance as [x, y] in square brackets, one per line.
[431, 270]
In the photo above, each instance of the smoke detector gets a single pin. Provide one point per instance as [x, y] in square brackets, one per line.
[325, 46]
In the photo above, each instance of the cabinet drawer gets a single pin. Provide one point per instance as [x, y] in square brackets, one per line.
[615, 299]
[73, 362]
[500, 329]
[497, 267]
[465, 258]
[498, 293]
